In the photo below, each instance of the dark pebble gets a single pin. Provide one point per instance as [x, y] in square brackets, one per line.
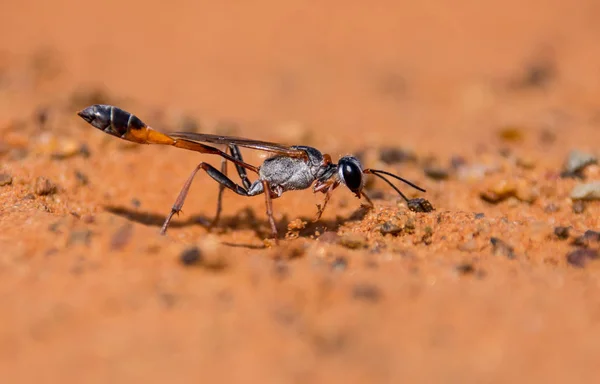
[580, 257]
[367, 292]
[500, 247]
[44, 187]
[479, 216]
[389, 228]
[82, 178]
[391, 155]
[578, 206]
[588, 237]
[136, 203]
[592, 235]
[420, 205]
[427, 238]
[538, 74]
[576, 163]
[436, 173]
[465, 268]
[5, 179]
[562, 232]
[190, 256]
[339, 264]
[84, 151]
[457, 162]
[41, 116]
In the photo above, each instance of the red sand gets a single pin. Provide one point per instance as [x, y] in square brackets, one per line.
[89, 292]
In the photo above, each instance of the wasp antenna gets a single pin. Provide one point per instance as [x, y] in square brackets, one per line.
[376, 171]
[391, 185]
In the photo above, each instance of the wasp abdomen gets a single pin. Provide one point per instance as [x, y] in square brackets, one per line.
[111, 119]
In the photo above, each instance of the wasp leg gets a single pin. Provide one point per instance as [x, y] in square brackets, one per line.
[235, 152]
[269, 204]
[219, 177]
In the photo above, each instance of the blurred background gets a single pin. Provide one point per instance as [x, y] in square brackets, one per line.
[403, 71]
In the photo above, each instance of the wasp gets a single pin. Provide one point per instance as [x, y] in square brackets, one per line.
[289, 168]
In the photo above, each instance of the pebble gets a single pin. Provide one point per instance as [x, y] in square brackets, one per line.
[586, 191]
[390, 155]
[580, 257]
[588, 237]
[576, 162]
[58, 147]
[5, 179]
[500, 247]
[44, 187]
[389, 228]
[457, 162]
[296, 225]
[339, 264]
[329, 237]
[366, 292]
[505, 189]
[427, 238]
[465, 268]
[551, 208]
[511, 134]
[578, 207]
[474, 172]
[190, 256]
[420, 205]
[82, 178]
[562, 232]
[526, 162]
[353, 241]
[436, 172]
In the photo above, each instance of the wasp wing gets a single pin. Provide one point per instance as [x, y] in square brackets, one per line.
[240, 142]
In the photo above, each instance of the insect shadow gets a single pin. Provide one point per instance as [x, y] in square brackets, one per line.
[243, 220]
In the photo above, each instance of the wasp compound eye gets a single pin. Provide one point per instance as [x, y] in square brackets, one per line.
[351, 174]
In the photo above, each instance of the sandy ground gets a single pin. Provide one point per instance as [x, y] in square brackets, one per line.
[480, 102]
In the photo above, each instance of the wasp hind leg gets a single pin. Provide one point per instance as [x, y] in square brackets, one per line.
[219, 177]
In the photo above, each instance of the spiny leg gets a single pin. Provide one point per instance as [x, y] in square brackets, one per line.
[212, 172]
[235, 152]
[321, 208]
[369, 204]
